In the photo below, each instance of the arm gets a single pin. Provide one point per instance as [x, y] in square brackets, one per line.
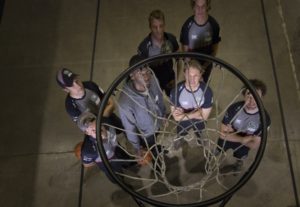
[201, 114]
[215, 49]
[184, 34]
[128, 122]
[228, 133]
[72, 109]
[177, 113]
[88, 165]
[109, 108]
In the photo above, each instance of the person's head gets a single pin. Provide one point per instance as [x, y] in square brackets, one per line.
[69, 81]
[87, 124]
[140, 77]
[200, 7]
[157, 24]
[193, 74]
[261, 90]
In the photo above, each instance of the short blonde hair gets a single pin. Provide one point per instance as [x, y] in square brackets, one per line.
[194, 64]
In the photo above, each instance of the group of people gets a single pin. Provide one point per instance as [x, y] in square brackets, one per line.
[141, 108]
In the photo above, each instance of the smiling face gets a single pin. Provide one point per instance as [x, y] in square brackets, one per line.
[141, 79]
[250, 103]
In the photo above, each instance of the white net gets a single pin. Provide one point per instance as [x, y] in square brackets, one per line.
[183, 168]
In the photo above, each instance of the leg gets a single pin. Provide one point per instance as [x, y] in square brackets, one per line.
[120, 154]
[115, 121]
[198, 127]
[241, 154]
[182, 130]
[116, 166]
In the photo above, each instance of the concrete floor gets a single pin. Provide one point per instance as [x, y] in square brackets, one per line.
[37, 136]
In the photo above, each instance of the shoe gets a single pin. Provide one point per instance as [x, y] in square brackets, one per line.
[203, 142]
[237, 166]
[177, 144]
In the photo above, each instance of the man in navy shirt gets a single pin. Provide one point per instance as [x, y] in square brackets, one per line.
[200, 33]
[191, 100]
[156, 43]
[241, 126]
[84, 96]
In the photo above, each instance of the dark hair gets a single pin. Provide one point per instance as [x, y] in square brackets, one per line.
[207, 4]
[135, 59]
[156, 14]
[258, 85]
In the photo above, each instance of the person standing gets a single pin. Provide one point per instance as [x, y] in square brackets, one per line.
[142, 109]
[156, 43]
[192, 101]
[201, 33]
[241, 126]
[84, 96]
[89, 150]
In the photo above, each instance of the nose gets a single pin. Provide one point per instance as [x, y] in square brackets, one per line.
[146, 78]
[251, 99]
[159, 29]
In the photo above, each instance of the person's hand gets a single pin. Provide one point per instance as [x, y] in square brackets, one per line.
[228, 128]
[178, 111]
[197, 114]
[145, 157]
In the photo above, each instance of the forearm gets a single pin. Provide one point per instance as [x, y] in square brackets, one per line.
[232, 137]
[199, 114]
[215, 49]
[109, 108]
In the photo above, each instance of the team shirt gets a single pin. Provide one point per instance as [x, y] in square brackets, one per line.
[163, 69]
[89, 102]
[188, 100]
[200, 38]
[89, 151]
[242, 122]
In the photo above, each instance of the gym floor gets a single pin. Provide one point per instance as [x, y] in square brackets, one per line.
[96, 39]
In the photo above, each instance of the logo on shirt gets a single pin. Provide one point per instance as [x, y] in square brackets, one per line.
[194, 37]
[95, 99]
[238, 121]
[200, 101]
[252, 126]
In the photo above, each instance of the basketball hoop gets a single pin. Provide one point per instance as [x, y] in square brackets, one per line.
[195, 174]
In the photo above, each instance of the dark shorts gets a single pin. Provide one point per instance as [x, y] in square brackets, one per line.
[149, 142]
[184, 126]
[239, 151]
[117, 166]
